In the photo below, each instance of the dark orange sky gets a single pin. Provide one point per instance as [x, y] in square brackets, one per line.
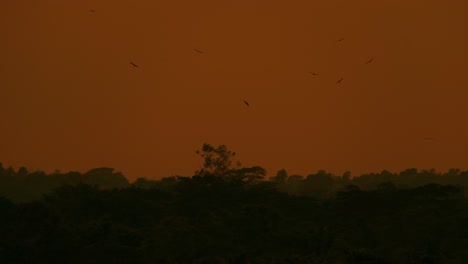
[70, 100]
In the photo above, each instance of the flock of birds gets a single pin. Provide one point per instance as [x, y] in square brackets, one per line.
[247, 103]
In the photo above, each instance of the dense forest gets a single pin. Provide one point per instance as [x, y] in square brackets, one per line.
[227, 213]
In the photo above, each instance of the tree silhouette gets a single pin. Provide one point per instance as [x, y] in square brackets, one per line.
[217, 161]
[319, 184]
[346, 176]
[22, 172]
[280, 180]
[281, 177]
[294, 183]
[105, 178]
[247, 175]
[187, 219]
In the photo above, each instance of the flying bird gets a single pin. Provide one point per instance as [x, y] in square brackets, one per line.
[199, 51]
[313, 73]
[246, 103]
[339, 81]
[92, 10]
[134, 65]
[369, 61]
[341, 39]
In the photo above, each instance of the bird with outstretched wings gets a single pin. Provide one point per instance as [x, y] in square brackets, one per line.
[339, 40]
[134, 65]
[246, 103]
[340, 80]
[369, 61]
[313, 73]
[199, 51]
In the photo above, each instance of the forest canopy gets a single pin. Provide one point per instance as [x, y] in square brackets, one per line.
[218, 162]
[226, 213]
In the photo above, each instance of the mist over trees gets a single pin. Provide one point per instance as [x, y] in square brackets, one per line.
[227, 213]
[22, 185]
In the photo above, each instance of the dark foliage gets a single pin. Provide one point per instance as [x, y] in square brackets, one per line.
[226, 214]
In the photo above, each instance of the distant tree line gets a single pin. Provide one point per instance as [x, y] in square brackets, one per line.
[22, 185]
[226, 213]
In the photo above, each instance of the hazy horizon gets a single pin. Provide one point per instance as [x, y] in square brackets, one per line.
[72, 101]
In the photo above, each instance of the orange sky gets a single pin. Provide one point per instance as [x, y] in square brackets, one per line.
[70, 100]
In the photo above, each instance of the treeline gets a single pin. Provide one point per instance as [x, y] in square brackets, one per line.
[22, 185]
[323, 184]
[226, 213]
[209, 219]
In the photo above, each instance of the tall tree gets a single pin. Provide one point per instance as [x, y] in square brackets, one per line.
[281, 177]
[217, 161]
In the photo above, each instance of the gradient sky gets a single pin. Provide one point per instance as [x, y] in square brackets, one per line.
[71, 101]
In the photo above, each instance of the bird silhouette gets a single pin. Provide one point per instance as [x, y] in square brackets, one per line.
[341, 39]
[92, 10]
[134, 65]
[339, 81]
[246, 103]
[313, 73]
[369, 61]
[199, 51]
